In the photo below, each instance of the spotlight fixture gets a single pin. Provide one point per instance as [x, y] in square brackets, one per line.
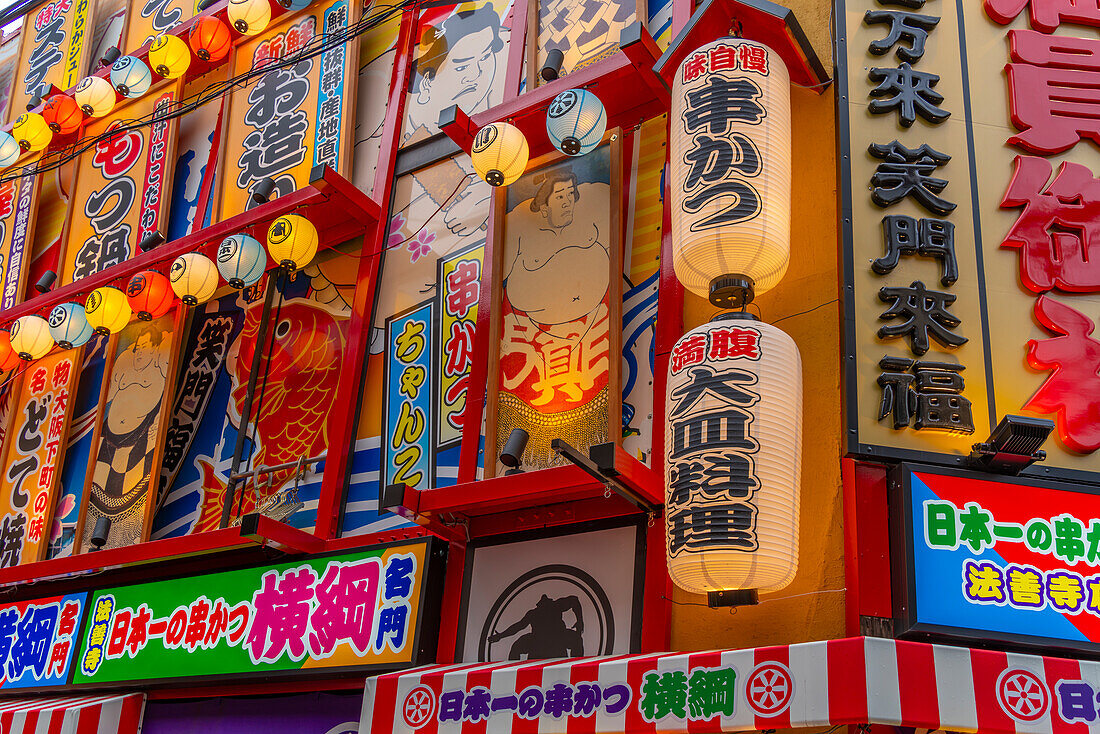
[100, 533]
[45, 283]
[34, 102]
[1012, 446]
[110, 56]
[262, 191]
[551, 70]
[206, 4]
[512, 455]
[151, 241]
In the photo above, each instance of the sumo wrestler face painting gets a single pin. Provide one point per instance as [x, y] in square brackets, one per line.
[560, 293]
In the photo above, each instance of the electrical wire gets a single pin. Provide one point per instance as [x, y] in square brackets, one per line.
[808, 310]
[317, 45]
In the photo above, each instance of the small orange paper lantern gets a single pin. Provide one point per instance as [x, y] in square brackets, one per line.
[150, 295]
[210, 39]
[9, 358]
[62, 114]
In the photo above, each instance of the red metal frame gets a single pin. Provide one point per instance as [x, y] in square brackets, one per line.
[867, 574]
[343, 421]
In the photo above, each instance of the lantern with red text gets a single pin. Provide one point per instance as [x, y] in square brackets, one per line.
[731, 171]
[733, 446]
[150, 295]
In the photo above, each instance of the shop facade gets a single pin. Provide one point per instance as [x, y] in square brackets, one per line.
[548, 367]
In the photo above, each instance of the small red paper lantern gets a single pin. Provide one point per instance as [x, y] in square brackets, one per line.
[210, 39]
[9, 358]
[62, 114]
[150, 295]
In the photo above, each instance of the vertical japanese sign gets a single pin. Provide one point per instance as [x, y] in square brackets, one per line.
[1015, 560]
[409, 401]
[558, 326]
[38, 640]
[121, 188]
[292, 117]
[52, 50]
[459, 291]
[363, 609]
[146, 18]
[18, 199]
[34, 456]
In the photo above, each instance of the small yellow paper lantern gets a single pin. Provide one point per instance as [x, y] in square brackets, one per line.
[96, 96]
[194, 278]
[731, 171]
[107, 310]
[30, 337]
[32, 132]
[169, 56]
[249, 16]
[733, 456]
[9, 150]
[499, 153]
[292, 241]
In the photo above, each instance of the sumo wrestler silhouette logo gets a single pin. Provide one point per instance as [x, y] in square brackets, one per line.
[552, 611]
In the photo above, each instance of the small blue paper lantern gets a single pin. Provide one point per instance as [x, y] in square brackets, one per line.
[131, 77]
[69, 325]
[241, 260]
[576, 121]
[9, 150]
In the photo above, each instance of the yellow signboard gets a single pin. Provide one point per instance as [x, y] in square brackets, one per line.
[147, 18]
[969, 151]
[295, 117]
[33, 455]
[122, 188]
[53, 48]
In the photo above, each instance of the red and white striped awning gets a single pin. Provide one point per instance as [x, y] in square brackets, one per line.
[73, 715]
[852, 681]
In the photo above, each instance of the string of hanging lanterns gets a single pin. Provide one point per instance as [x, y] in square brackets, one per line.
[292, 242]
[733, 420]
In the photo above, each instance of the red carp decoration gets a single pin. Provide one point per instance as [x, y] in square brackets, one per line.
[301, 373]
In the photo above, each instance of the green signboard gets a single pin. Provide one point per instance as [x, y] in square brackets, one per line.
[358, 610]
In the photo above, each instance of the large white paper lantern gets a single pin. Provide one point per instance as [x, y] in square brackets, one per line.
[731, 171]
[733, 454]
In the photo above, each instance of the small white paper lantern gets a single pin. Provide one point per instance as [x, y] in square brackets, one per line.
[9, 150]
[30, 337]
[733, 455]
[194, 278]
[576, 121]
[731, 171]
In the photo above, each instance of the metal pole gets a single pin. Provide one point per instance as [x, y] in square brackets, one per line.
[280, 467]
[253, 375]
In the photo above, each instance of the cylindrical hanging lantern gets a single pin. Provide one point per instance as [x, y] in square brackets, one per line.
[9, 150]
[292, 241]
[733, 453]
[9, 358]
[169, 56]
[96, 96]
[499, 153]
[150, 295]
[576, 121]
[62, 114]
[249, 16]
[241, 260]
[30, 337]
[32, 132]
[731, 171]
[194, 278]
[210, 39]
[107, 310]
[69, 325]
[130, 76]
